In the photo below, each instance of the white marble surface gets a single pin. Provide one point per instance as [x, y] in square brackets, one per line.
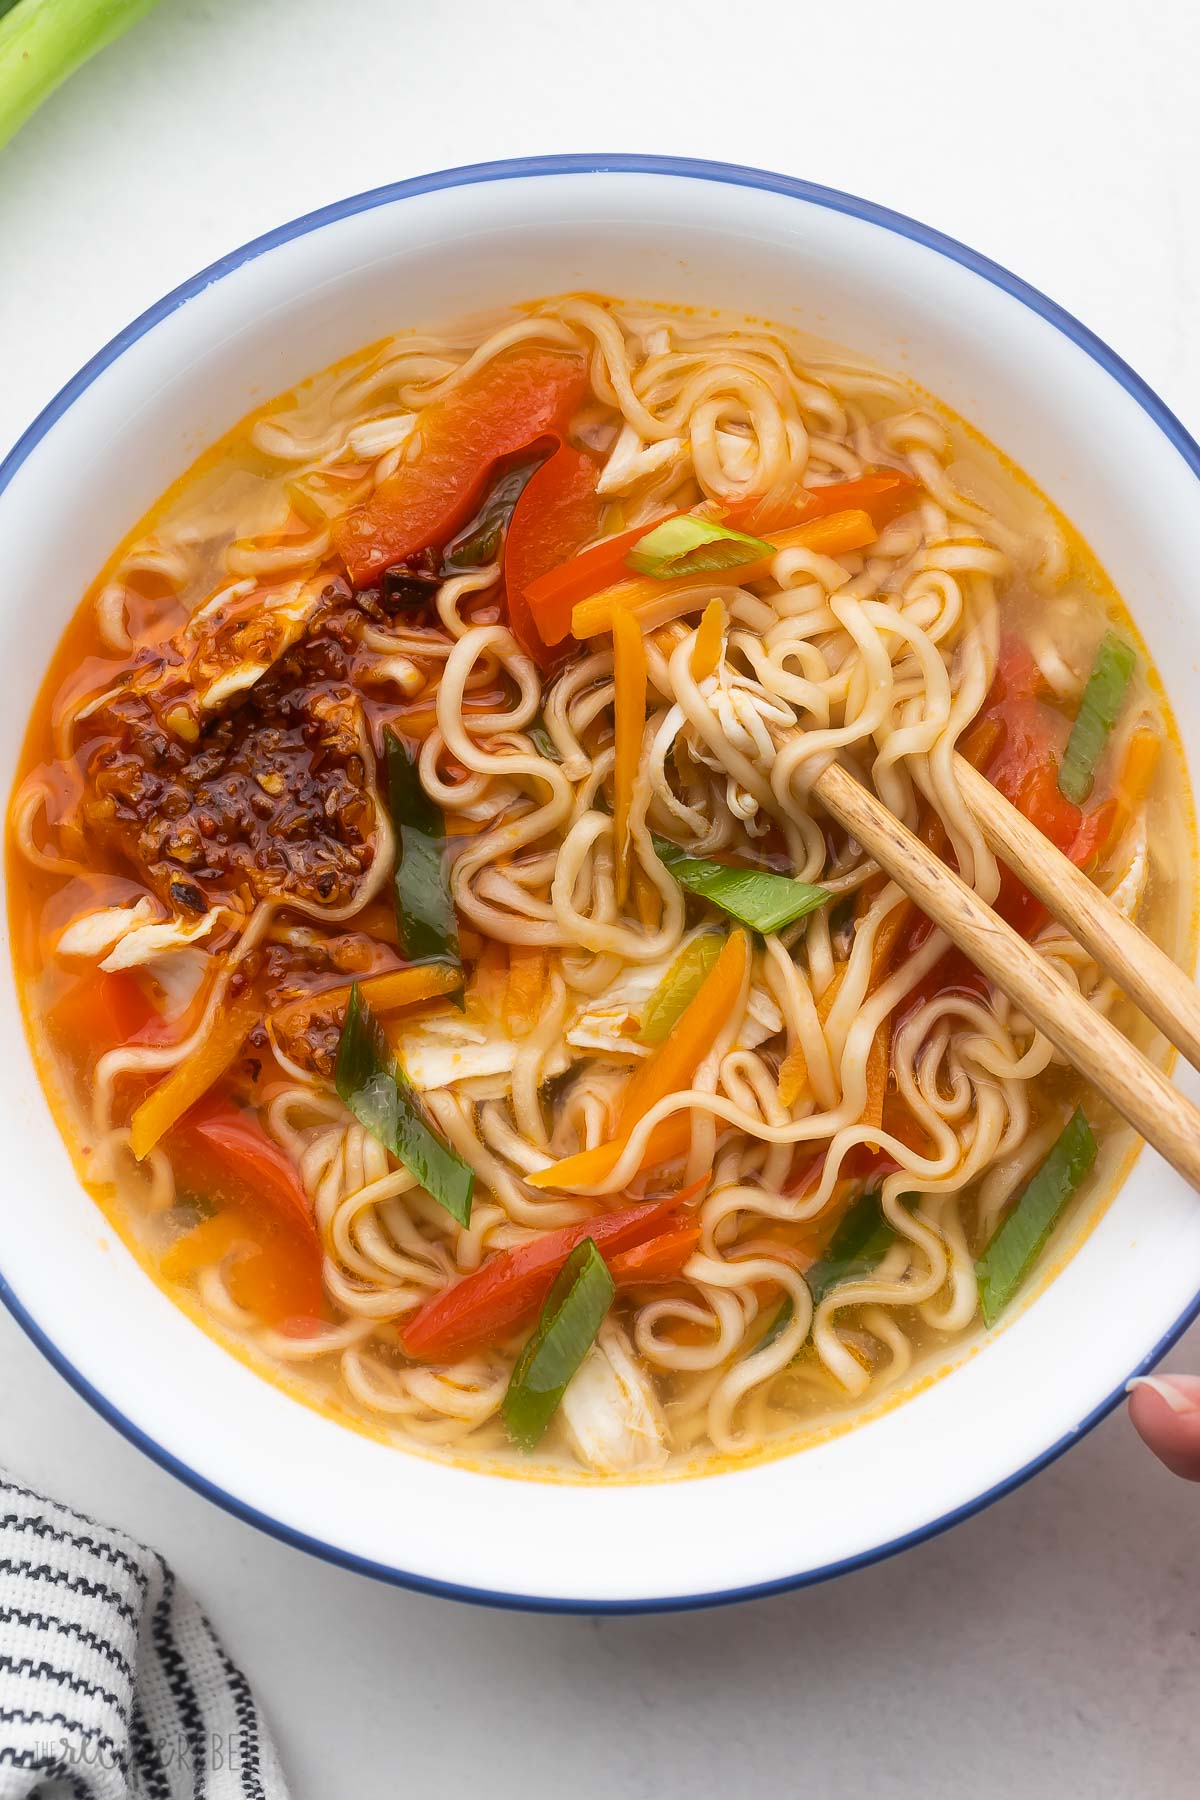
[1052, 1646]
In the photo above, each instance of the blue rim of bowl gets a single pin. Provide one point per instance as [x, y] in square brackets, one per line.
[522, 168]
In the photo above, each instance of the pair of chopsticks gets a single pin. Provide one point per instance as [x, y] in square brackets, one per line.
[1127, 1079]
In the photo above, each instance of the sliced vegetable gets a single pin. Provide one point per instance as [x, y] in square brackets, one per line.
[659, 1259]
[519, 396]
[42, 42]
[1133, 784]
[764, 901]
[190, 1080]
[425, 915]
[1102, 700]
[656, 602]
[558, 511]
[687, 545]
[629, 724]
[495, 1299]
[668, 1070]
[528, 972]
[383, 993]
[862, 1239]
[1018, 1242]
[244, 1156]
[706, 651]
[102, 1009]
[883, 495]
[481, 541]
[574, 1311]
[369, 1081]
[543, 742]
[678, 987]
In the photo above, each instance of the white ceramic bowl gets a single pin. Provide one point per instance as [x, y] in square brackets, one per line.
[422, 252]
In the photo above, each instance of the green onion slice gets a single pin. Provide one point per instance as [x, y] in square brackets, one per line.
[543, 743]
[480, 541]
[687, 545]
[1103, 698]
[573, 1314]
[757, 898]
[678, 987]
[370, 1082]
[1018, 1242]
[425, 915]
[861, 1240]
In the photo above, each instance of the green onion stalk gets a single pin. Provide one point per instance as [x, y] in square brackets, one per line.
[43, 42]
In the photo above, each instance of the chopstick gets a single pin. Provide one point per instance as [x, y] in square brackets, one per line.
[1142, 971]
[1127, 1079]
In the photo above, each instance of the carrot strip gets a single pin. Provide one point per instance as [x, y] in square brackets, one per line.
[629, 717]
[668, 1071]
[706, 651]
[653, 602]
[386, 993]
[191, 1079]
[793, 1071]
[1133, 784]
[878, 1059]
[528, 969]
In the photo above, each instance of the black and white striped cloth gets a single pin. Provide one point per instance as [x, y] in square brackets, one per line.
[113, 1684]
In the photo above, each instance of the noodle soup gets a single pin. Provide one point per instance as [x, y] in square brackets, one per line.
[442, 974]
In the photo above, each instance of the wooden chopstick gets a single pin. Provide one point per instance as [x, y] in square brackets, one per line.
[1143, 971]
[1127, 1079]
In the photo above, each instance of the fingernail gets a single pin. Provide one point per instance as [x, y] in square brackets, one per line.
[1166, 1389]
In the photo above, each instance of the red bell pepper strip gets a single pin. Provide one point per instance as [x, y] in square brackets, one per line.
[249, 1160]
[558, 511]
[518, 397]
[223, 1154]
[659, 1259]
[101, 1010]
[512, 1285]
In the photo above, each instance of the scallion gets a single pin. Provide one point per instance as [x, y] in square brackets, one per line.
[756, 897]
[543, 743]
[1098, 712]
[678, 986]
[370, 1082]
[479, 543]
[42, 42]
[862, 1239]
[686, 545]
[1018, 1242]
[574, 1312]
[425, 915]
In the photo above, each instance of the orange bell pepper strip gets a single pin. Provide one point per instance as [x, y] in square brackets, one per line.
[667, 1071]
[654, 602]
[1133, 784]
[528, 971]
[190, 1080]
[706, 651]
[518, 397]
[101, 1010]
[558, 510]
[264, 1220]
[629, 720]
[659, 1259]
[510, 1287]
[272, 1274]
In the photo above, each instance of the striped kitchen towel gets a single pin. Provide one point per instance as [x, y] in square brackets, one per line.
[113, 1684]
